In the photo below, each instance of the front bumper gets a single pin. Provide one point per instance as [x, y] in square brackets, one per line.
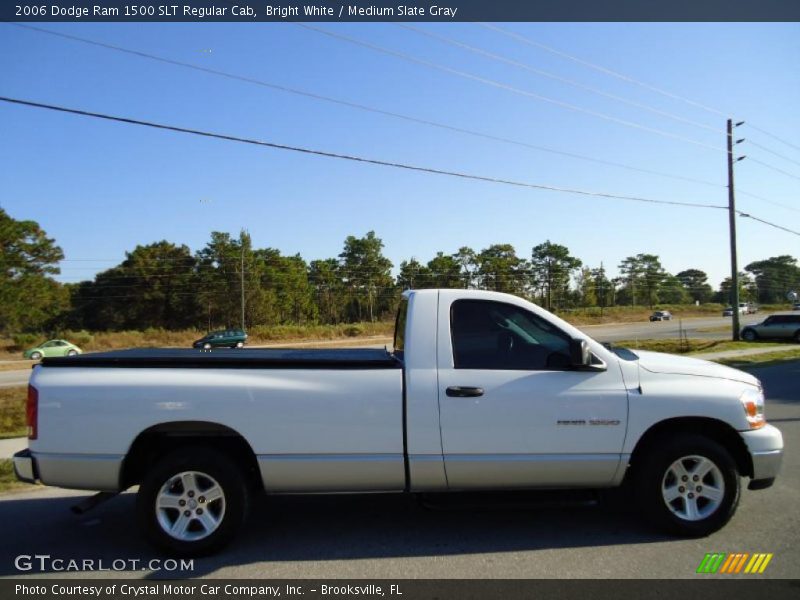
[766, 452]
[25, 466]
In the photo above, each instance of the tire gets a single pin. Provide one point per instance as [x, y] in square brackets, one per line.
[72, 353]
[36, 356]
[748, 335]
[689, 513]
[239, 345]
[206, 346]
[174, 489]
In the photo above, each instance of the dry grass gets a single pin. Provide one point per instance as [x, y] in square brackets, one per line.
[9, 481]
[162, 338]
[692, 345]
[12, 412]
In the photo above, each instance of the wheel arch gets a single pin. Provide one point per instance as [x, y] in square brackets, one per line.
[714, 429]
[158, 440]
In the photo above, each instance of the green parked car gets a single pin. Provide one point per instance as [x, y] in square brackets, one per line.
[52, 348]
[226, 338]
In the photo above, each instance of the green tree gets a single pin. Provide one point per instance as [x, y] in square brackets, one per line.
[221, 275]
[672, 291]
[467, 260]
[367, 277]
[414, 275]
[552, 266]
[604, 288]
[446, 271]
[29, 299]
[696, 284]
[747, 290]
[326, 281]
[643, 275]
[775, 277]
[586, 287]
[501, 270]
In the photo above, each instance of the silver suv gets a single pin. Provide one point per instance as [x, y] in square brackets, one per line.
[782, 327]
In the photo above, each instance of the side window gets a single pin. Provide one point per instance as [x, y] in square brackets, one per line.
[495, 335]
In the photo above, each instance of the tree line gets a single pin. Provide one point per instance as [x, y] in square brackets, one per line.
[165, 285]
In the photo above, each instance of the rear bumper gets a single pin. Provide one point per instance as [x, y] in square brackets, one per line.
[75, 471]
[766, 451]
[25, 466]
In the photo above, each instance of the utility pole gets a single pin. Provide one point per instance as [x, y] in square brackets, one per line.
[241, 237]
[732, 224]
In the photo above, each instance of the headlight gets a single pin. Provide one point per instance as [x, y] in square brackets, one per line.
[753, 402]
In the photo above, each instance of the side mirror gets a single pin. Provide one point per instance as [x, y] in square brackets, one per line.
[579, 353]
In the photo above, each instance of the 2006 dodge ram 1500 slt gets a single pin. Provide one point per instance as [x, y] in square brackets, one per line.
[483, 391]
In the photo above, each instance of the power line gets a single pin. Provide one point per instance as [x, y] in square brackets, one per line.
[507, 87]
[632, 80]
[363, 107]
[773, 136]
[765, 149]
[600, 68]
[767, 200]
[776, 226]
[353, 158]
[772, 167]
[555, 77]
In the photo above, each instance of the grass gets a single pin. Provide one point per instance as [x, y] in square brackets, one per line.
[17, 365]
[692, 345]
[767, 359]
[9, 481]
[12, 412]
[155, 338]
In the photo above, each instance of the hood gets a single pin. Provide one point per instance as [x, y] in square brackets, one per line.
[657, 362]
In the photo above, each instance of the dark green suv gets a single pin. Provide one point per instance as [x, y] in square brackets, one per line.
[225, 338]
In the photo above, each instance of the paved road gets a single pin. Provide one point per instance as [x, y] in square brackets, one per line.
[390, 536]
[13, 378]
[693, 328]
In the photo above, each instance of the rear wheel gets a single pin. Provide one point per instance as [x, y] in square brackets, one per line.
[192, 502]
[240, 344]
[72, 353]
[36, 355]
[749, 335]
[688, 485]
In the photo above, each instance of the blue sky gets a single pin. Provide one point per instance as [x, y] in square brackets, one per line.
[102, 188]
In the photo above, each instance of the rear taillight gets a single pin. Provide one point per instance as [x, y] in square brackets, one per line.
[32, 412]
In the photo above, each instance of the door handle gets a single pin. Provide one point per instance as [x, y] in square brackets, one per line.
[464, 392]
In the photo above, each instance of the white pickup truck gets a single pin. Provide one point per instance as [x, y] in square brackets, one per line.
[483, 391]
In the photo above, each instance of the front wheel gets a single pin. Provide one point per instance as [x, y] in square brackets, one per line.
[192, 502]
[72, 353]
[36, 355]
[688, 485]
[748, 335]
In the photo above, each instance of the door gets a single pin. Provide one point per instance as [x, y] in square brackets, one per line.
[514, 413]
[52, 348]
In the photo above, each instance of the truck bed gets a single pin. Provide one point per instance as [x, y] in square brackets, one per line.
[227, 358]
